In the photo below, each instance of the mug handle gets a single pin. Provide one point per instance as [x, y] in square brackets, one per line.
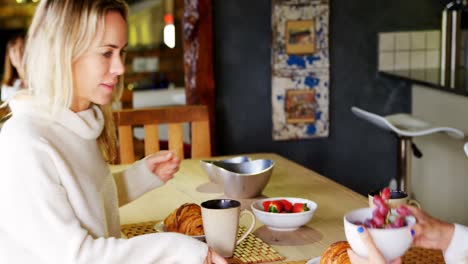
[414, 202]
[252, 225]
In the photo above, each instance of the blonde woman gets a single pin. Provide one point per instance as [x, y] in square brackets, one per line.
[59, 202]
[13, 74]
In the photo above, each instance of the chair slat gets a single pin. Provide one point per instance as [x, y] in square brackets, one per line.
[176, 139]
[151, 139]
[201, 145]
[127, 154]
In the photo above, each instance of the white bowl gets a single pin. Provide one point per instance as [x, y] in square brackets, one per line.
[393, 242]
[284, 221]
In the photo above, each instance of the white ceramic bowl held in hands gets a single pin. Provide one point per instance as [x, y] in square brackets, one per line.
[392, 242]
[284, 221]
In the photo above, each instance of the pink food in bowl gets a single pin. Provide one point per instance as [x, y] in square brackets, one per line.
[392, 242]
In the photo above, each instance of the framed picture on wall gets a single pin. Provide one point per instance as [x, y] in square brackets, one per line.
[300, 106]
[300, 36]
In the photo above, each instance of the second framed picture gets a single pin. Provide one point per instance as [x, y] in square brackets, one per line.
[300, 106]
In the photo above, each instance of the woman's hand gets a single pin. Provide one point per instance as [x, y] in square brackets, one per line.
[429, 232]
[375, 257]
[214, 257]
[163, 164]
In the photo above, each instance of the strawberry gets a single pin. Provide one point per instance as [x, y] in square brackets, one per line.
[266, 205]
[275, 207]
[287, 206]
[385, 193]
[300, 207]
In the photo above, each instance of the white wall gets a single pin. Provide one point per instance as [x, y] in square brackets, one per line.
[440, 178]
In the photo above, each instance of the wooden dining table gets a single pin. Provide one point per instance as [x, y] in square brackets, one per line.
[289, 179]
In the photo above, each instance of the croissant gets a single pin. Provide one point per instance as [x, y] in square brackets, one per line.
[186, 219]
[192, 225]
[336, 254]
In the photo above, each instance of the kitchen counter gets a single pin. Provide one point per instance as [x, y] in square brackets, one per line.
[432, 78]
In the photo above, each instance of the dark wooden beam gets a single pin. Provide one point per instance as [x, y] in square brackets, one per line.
[198, 57]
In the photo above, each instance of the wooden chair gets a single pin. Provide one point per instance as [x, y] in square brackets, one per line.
[127, 98]
[174, 116]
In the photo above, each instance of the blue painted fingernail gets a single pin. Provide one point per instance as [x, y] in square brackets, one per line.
[412, 232]
[360, 229]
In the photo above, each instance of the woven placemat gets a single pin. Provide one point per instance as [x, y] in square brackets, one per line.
[251, 250]
[414, 255]
[254, 250]
[131, 230]
[417, 255]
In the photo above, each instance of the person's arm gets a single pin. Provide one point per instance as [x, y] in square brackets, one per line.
[457, 251]
[145, 175]
[39, 218]
[430, 232]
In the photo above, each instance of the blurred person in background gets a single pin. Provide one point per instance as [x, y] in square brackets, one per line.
[13, 76]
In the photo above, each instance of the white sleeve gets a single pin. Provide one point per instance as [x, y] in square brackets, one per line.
[135, 181]
[457, 251]
[37, 217]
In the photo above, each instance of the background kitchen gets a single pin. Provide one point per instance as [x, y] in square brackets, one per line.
[356, 153]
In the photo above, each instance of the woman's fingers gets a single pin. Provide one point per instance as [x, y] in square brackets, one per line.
[217, 259]
[355, 259]
[163, 164]
[374, 254]
[367, 240]
[208, 257]
[160, 157]
[416, 212]
[396, 261]
[168, 168]
[213, 257]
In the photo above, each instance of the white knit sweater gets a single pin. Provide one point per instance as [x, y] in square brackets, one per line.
[59, 202]
[457, 252]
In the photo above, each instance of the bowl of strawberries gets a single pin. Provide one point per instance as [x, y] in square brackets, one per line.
[284, 213]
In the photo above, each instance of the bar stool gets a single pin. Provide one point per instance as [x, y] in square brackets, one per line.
[405, 127]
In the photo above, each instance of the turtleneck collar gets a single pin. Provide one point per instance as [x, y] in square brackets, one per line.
[87, 124]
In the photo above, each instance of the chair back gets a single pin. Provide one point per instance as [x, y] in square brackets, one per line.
[127, 99]
[174, 117]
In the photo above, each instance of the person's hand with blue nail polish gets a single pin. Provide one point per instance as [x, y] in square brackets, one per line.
[375, 257]
[429, 232]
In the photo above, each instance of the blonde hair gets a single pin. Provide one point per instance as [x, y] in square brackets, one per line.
[61, 31]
